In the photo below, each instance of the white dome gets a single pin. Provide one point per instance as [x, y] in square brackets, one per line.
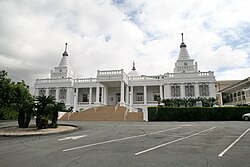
[133, 73]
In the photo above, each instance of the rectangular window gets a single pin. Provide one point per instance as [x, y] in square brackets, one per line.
[139, 96]
[157, 97]
[189, 90]
[85, 98]
[175, 91]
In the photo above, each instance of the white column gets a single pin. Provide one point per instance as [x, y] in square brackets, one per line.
[90, 96]
[145, 95]
[127, 94]
[167, 91]
[211, 90]
[196, 90]
[75, 99]
[97, 94]
[102, 95]
[122, 103]
[47, 92]
[105, 95]
[36, 92]
[130, 101]
[161, 92]
[57, 94]
[221, 100]
[69, 97]
[132, 95]
[77, 91]
[182, 90]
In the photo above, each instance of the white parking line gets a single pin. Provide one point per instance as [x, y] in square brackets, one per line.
[174, 141]
[125, 138]
[223, 152]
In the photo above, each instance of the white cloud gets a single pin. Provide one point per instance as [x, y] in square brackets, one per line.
[33, 33]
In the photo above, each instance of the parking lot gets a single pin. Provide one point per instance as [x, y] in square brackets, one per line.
[134, 144]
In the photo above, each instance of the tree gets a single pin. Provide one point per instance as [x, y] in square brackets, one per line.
[6, 90]
[16, 100]
[24, 104]
[43, 106]
[47, 110]
[55, 108]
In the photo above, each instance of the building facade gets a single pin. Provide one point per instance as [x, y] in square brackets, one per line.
[238, 93]
[116, 87]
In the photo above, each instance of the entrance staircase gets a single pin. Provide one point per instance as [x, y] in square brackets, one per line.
[104, 113]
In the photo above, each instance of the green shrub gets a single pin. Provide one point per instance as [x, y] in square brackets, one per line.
[196, 113]
[8, 113]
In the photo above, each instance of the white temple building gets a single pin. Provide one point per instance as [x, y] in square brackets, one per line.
[116, 87]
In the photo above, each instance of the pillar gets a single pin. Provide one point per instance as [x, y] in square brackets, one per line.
[161, 92]
[145, 94]
[127, 94]
[97, 94]
[132, 95]
[90, 95]
[167, 91]
[75, 99]
[122, 103]
[211, 89]
[47, 92]
[196, 90]
[57, 94]
[182, 90]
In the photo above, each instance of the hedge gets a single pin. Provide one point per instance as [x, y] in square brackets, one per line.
[196, 113]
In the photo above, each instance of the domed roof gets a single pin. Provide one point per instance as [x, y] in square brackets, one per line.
[133, 72]
[64, 61]
[183, 55]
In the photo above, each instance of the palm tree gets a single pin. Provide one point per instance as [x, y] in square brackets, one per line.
[43, 105]
[54, 109]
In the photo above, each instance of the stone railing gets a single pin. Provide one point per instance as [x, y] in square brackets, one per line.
[54, 80]
[144, 77]
[109, 72]
[84, 80]
[169, 75]
[112, 74]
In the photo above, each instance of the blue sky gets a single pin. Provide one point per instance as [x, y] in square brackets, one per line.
[111, 34]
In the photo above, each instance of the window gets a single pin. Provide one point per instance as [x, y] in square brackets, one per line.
[139, 96]
[52, 92]
[175, 90]
[62, 94]
[85, 98]
[42, 92]
[189, 90]
[204, 90]
[157, 97]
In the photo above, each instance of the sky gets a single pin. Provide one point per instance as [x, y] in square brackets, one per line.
[111, 34]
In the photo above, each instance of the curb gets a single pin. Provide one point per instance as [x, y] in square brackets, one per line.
[43, 133]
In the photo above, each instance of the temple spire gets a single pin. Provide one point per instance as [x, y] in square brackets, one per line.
[65, 52]
[182, 42]
[133, 66]
[66, 47]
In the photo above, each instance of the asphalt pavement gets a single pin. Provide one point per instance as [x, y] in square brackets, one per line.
[137, 144]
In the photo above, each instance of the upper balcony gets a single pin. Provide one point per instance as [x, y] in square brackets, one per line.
[112, 75]
[189, 74]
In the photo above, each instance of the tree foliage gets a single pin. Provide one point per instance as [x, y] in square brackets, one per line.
[16, 100]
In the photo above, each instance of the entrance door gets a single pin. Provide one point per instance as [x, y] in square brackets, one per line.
[118, 98]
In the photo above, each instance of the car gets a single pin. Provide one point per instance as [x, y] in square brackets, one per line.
[246, 116]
